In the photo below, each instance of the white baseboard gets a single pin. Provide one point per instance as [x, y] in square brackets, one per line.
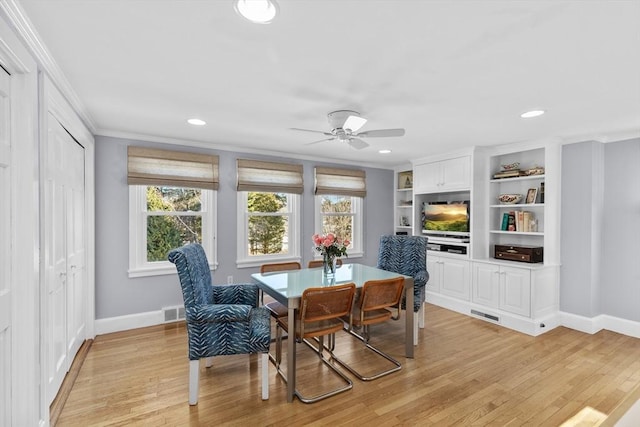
[592, 325]
[589, 325]
[130, 321]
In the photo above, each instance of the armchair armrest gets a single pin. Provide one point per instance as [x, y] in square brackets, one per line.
[237, 293]
[219, 313]
[421, 278]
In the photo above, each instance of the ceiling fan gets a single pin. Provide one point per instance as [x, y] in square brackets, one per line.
[344, 127]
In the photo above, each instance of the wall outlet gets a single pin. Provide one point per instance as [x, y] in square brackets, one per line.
[229, 280]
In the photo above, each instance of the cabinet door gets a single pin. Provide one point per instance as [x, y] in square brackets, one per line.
[455, 278]
[427, 178]
[485, 284]
[515, 290]
[433, 268]
[455, 174]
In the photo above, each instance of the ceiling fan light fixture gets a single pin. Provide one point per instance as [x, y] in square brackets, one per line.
[257, 11]
[532, 113]
[196, 122]
[354, 123]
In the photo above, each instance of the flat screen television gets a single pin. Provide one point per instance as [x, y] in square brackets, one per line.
[446, 218]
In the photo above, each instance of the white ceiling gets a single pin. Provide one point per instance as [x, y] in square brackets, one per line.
[452, 73]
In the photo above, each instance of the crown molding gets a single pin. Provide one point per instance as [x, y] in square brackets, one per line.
[18, 20]
[226, 147]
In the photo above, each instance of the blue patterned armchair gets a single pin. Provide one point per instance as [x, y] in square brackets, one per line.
[407, 255]
[221, 319]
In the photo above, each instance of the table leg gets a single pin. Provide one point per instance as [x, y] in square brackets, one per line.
[408, 339]
[291, 353]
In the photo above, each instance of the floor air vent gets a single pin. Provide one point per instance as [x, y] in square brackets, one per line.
[172, 314]
[486, 316]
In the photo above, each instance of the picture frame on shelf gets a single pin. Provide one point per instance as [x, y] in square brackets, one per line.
[531, 196]
[405, 180]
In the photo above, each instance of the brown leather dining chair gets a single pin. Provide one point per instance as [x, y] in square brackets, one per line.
[373, 306]
[318, 263]
[320, 314]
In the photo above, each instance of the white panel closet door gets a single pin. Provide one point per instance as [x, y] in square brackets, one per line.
[65, 271]
[5, 249]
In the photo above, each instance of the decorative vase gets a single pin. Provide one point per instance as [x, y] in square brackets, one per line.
[329, 265]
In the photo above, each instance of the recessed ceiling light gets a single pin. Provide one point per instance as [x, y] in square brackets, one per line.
[196, 122]
[384, 151]
[257, 11]
[532, 113]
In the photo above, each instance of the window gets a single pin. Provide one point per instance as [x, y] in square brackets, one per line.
[171, 203]
[338, 205]
[164, 218]
[269, 227]
[269, 210]
[342, 216]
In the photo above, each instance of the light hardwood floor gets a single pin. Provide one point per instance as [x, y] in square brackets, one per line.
[465, 372]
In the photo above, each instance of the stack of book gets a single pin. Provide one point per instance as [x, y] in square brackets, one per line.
[517, 221]
[507, 174]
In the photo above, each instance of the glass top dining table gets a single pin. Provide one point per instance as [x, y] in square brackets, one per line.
[286, 287]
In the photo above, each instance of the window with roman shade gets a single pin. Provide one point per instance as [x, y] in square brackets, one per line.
[269, 212]
[256, 175]
[344, 182]
[338, 205]
[150, 166]
[172, 202]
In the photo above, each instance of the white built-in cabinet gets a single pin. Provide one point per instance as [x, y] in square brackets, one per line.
[503, 287]
[443, 175]
[522, 296]
[448, 276]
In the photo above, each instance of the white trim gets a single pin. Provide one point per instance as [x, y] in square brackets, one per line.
[212, 145]
[138, 265]
[129, 321]
[27, 33]
[592, 325]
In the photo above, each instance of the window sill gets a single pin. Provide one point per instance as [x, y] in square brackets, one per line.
[161, 270]
[248, 263]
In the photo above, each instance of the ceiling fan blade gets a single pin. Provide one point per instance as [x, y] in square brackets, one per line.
[358, 144]
[381, 133]
[311, 130]
[322, 140]
[354, 123]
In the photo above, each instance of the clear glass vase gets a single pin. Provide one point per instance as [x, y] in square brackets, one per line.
[329, 265]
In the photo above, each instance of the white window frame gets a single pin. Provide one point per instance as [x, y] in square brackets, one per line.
[357, 243]
[138, 264]
[244, 260]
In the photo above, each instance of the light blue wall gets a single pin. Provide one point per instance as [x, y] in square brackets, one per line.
[117, 295]
[600, 272]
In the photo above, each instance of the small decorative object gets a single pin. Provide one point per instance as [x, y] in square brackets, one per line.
[537, 170]
[511, 166]
[405, 180]
[533, 225]
[531, 195]
[509, 199]
[330, 247]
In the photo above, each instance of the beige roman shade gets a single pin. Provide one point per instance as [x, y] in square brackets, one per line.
[344, 182]
[150, 166]
[255, 175]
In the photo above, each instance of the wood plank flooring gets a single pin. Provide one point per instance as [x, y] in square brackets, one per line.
[465, 372]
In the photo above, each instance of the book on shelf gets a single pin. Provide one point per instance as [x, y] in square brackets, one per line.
[527, 221]
[511, 221]
[505, 221]
[520, 221]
